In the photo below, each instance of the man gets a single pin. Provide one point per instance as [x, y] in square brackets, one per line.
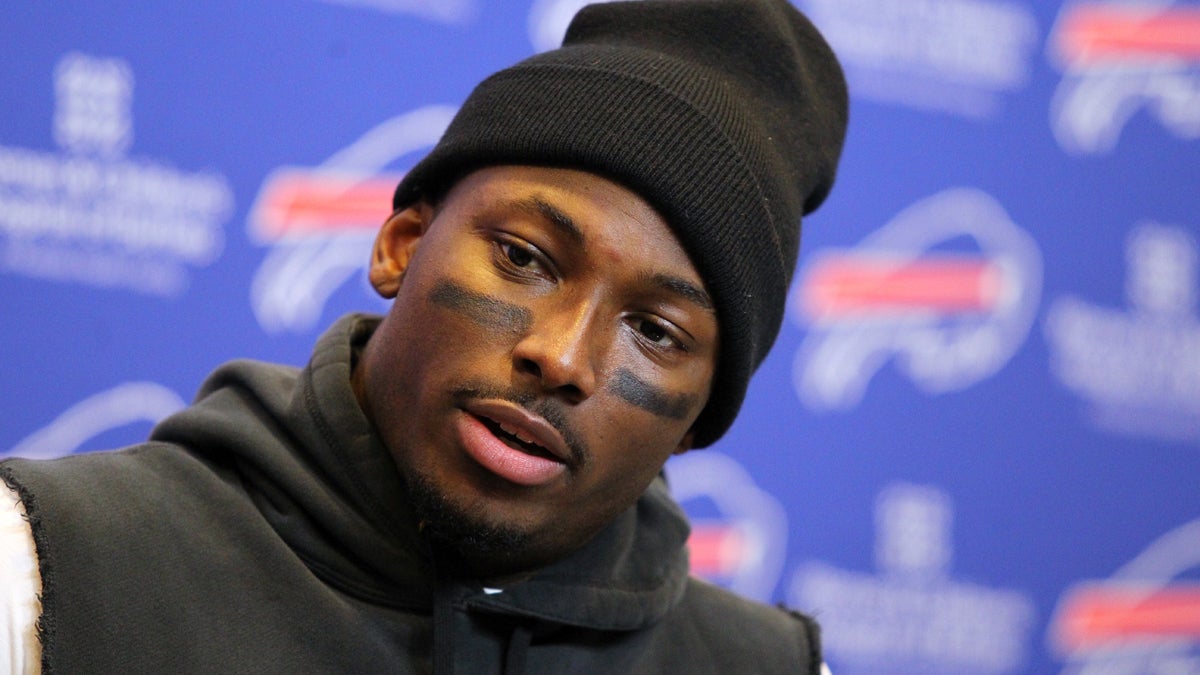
[585, 272]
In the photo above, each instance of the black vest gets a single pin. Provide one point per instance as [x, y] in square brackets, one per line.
[265, 530]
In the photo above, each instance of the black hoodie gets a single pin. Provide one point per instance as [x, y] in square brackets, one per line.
[266, 530]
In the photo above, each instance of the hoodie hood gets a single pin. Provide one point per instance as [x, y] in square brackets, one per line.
[299, 445]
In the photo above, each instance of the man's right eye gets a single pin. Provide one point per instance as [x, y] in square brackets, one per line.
[521, 259]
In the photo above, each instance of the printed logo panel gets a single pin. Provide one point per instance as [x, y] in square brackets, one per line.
[1139, 369]
[89, 214]
[124, 404]
[443, 11]
[548, 21]
[911, 616]
[955, 56]
[739, 531]
[948, 288]
[1122, 58]
[1145, 619]
[320, 222]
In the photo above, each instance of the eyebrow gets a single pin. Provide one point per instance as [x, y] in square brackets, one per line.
[682, 287]
[538, 206]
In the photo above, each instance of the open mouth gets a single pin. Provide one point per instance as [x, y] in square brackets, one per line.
[512, 443]
[516, 439]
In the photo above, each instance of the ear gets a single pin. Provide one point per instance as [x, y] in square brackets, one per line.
[395, 245]
[685, 443]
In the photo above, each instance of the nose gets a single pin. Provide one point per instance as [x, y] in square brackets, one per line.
[558, 351]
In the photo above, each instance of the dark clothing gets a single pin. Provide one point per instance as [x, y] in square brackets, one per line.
[266, 530]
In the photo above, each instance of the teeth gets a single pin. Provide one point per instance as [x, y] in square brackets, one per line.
[518, 433]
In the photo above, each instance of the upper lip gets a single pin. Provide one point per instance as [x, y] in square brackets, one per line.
[526, 424]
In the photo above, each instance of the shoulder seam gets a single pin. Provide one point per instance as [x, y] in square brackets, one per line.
[812, 634]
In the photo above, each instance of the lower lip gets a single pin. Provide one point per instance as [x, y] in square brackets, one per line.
[507, 462]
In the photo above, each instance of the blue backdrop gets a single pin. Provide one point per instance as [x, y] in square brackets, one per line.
[976, 445]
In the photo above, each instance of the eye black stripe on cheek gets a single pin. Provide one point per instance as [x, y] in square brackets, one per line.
[649, 398]
[482, 309]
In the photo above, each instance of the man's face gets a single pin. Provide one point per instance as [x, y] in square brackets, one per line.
[549, 347]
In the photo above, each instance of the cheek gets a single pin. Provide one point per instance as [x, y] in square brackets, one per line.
[626, 478]
[656, 400]
[665, 398]
[489, 315]
[634, 444]
[449, 318]
[419, 345]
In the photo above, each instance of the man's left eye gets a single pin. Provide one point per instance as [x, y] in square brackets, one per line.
[517, 255]
[656, 333]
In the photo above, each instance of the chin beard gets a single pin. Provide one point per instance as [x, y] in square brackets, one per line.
[472, 544]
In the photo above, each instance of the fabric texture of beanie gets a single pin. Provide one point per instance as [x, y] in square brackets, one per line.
[727, 116]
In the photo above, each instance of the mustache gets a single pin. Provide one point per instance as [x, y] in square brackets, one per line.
[548, 409]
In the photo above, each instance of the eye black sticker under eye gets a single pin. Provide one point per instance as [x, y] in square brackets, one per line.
[482, 309]
[650, 398]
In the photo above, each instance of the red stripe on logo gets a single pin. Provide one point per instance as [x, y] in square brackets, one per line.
[715, 549]
[859, 287]
[1089, 34]
[300, 203]
[1095, 616]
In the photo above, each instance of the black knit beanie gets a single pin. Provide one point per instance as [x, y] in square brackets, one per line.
[727, 116]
